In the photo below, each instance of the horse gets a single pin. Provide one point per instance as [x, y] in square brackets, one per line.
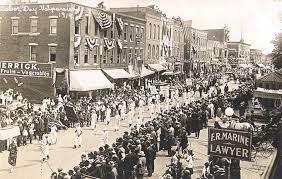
[244, 126]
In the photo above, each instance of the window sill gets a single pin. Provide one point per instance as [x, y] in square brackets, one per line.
[52, 34]
[34, 34]
[51, 62]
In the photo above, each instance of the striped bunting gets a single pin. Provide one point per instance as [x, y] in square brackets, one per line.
[92, 42]
[102, 18]
[109, 43]
[78, 13]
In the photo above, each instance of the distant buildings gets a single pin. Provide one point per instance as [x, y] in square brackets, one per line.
[80, 49]
[239, 51]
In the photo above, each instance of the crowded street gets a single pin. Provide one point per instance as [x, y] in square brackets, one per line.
[122, 89]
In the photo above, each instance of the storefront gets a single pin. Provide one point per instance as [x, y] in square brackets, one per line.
[33, 80]
[88, 82]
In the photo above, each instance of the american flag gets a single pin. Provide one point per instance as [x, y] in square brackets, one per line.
[102, 18]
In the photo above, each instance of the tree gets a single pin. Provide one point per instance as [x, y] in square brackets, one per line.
[276, 54]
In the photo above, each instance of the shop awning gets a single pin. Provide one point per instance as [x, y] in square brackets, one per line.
[170, 73]
[157, 67]
[146, 72]
[88, 80]
[117, 73]
[269, 94]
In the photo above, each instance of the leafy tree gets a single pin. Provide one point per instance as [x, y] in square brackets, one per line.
[277, 51]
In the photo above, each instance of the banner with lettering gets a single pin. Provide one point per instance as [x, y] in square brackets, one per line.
[230, 143]
[31, 69]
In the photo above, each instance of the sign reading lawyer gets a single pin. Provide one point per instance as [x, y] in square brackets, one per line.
[230, 143]
[26, 69]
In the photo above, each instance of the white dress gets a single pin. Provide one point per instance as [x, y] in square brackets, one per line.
[93, 120]
[53, 135]
[117, 122]
[78, 136]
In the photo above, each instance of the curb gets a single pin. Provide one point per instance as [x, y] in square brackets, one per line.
[268, 171]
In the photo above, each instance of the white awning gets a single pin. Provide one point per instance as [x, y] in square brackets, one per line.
[146, 72]
[88, 80]
[117, 73]
[169, 73]
[157, 67]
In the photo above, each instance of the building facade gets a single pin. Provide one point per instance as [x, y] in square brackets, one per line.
[239, 51]
[70, 39]
[256, 56]
[153, 29]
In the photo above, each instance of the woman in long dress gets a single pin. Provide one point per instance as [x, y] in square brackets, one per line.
[108, 115]
[93, 119]
[12, 159]
[117, 122]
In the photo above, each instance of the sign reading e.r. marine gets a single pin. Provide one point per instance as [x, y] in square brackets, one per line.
[230, 143]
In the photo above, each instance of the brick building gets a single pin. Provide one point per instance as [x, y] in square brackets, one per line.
[81, 45]
[240, 51]
[256, 56]
[153, 29]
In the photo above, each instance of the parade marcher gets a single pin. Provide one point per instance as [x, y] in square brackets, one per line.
[117, 122]
[105, 136]
[12, 159]
[78, 136]
[226, 88]
[53, 134]
[94, 119]
[45, 147]
[108, 115]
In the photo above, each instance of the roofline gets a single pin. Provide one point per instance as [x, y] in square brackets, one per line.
[133, 17]
[239, 42]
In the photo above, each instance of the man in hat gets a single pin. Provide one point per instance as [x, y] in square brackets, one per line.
[78, 136]
[141, 165]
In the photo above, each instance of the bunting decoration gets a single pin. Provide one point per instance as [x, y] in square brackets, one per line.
[77, 41]
[78, 13]
[102, 18]
[119, 44]
[92, 42]
[109, 43]
[194, 50]
[120, 23]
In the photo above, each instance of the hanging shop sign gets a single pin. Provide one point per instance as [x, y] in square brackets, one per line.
[26, 69]
[230, 143]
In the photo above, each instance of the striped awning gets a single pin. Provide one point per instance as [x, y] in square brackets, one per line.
[92, 42]
[104, 19]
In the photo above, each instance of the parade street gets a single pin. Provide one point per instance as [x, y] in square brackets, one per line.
[62, 154]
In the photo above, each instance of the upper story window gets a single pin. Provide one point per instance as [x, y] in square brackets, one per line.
[52, 53]
[96, 28]
[141, 33]
[15, 26]
[86, 55]
[154, 31]
[131, 33]
[86, 24]
[95, 53]
[33, 52]
[76, 56]
[77, 27]
[158, 32]
[125, 32]
[150, 31]
[53, 25]
[33, 25]
[0, 25]
[137, 33]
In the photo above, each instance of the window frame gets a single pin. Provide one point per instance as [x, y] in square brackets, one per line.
[15, 26]
[50, 47]
[53, 26]
[32, 25]
[31, 50]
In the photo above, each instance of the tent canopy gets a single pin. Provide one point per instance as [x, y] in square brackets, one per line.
[157, 67]
[275, 76]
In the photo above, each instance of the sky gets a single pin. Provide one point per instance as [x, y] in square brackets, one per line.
[257, 21]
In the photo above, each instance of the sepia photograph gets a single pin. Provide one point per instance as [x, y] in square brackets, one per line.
[140, 89]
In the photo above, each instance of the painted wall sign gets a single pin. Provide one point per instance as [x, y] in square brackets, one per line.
[230, 143]
[31, 69]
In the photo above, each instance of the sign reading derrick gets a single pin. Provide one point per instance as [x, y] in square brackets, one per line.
[230, 143]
